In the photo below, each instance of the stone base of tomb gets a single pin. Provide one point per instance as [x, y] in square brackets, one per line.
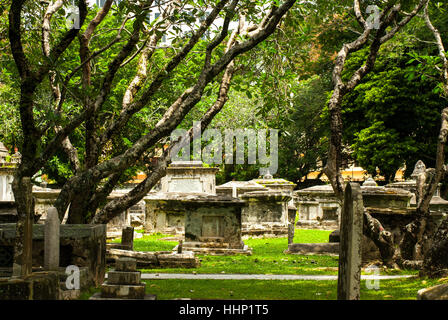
[214, 248]
[97, 296]
[80, 245]
[123, 283]
[313, 248]
[156, 259]
[267, 230]
[316, 224]
[36, 286]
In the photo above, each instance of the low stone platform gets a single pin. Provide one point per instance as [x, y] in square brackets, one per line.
[313, 248]
[36, 286]
[318, 225]
[97, 296]
[268, 230]
[157, 259]
[214, 249]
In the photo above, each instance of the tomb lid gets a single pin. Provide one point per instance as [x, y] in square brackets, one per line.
[272, 181]
[402, 184]
[277, 181]
[191, 197]
[187, 164]
[267, 195]
[241, 185]
[325, 188]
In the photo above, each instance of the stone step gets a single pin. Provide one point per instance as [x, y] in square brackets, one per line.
[123, 277]
[126, 264]
[144, 259]
[123, 291]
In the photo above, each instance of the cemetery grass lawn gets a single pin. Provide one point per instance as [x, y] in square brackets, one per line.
[398, 289]
[267, 257]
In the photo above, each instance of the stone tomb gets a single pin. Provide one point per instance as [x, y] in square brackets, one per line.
[213, 226]
[184, 179]
[265, 213]
[267, 202]
[80, 245]
[319, 208]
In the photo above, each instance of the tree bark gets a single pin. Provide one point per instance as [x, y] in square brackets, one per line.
[374, 230]
[436, 258]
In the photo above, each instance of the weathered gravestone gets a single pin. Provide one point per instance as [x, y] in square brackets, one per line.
[127, 238]
[350, 253]
[51, 241]
[292, 212]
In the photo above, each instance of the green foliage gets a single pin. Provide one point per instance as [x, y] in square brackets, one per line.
[392, 118]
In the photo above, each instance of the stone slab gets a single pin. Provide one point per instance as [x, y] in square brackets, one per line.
[178, 260]
[97, 296]
[123, 277]
[158, 259]
[123, 291]
[215, 251]
[143, 259]
[125, 264]
[313, 248]
[36, 286]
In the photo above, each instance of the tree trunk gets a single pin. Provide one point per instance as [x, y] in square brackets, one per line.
[23, 195]
[383, 239]
[435, 263]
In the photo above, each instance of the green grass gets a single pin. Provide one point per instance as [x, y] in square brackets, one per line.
[399, 289]
[151, 242]
[267, 257]
[311, 236]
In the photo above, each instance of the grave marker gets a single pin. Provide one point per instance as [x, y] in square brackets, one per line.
[349, 272]
[127, 237]
[52, 231]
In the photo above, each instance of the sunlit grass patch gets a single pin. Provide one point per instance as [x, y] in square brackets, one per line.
[399, 289]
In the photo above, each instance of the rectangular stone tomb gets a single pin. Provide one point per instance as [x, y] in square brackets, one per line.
[213, 226]
[80, 245]
[265, 213]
